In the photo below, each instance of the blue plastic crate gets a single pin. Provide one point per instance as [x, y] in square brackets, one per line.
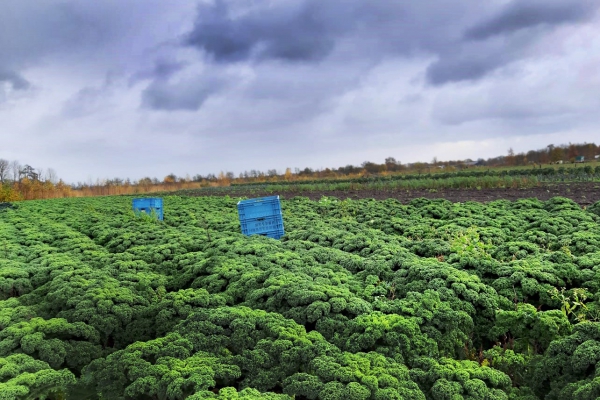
[261, 216]
[149, 204]
[265, 226]
[258, 208]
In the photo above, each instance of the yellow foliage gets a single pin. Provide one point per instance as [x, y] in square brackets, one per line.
[7, 193]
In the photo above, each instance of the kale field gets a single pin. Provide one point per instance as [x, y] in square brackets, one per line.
[361, 299]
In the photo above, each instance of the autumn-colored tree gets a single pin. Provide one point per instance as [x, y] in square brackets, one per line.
[556, 154]
[62, 189]
[572, 151]
[223, 179]
[171, 178]
[590, 150]
[145, 183]
[419, 167]
[8, 193]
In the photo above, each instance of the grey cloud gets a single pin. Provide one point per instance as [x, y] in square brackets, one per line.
[519, 100]
[504, 39]
[186, 95]
[474, 110]
[164, 69]
[84, 37]
[310, 31]
[32, 30]
[521, 14]
[289, 31]
[89, 99]
[16, 80]
[214, 32]
[459, 69]
[161, 70]
[473, 61]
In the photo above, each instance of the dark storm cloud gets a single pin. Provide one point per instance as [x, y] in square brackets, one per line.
[521, 14]
[309, 31]
[294, 32]
[16, 80]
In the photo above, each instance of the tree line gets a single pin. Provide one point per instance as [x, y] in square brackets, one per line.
[24, 182]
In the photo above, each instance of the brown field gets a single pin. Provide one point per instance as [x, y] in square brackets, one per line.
[584, 193]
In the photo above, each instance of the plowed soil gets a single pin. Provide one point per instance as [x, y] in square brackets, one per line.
[584, 193]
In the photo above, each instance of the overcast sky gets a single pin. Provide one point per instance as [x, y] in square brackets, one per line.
[134, 88]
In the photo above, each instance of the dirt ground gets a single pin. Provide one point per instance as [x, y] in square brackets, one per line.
[584, 193]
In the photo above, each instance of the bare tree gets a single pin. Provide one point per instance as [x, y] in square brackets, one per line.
[4, 170]
[510, 158]
[16, 170]
[51, 175]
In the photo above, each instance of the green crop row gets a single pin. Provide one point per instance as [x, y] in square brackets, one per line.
[560, 173]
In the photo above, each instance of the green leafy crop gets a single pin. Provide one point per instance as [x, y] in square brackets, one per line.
[360, 300]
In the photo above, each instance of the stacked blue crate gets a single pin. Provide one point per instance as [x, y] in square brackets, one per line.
[261, 216]
[148, 205]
